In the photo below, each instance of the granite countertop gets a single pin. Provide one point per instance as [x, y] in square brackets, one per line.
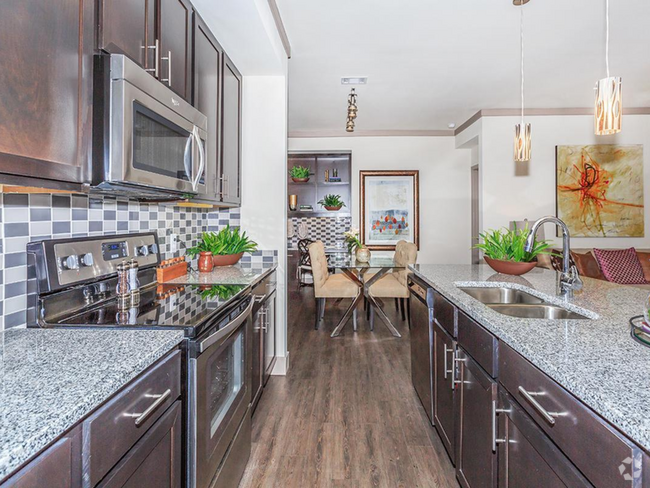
[242, 273]
[594, 359]
[51, 379]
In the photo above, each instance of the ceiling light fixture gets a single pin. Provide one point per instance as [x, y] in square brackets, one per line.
[522, 130]
[609, 95]
[352, 111]
[354, 80]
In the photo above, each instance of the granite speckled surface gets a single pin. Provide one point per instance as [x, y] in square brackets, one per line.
[239, 274]
[596, 359]
[51, 379]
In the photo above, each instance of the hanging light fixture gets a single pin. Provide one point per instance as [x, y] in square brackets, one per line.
[609, 95]
[352, 111]
[522, 130]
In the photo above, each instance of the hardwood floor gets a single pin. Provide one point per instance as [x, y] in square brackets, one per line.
[346, 415]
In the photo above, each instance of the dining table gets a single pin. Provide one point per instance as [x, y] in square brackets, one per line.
[356, 271]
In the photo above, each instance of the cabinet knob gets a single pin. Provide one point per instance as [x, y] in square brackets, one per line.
[87, 259]
[71, 262]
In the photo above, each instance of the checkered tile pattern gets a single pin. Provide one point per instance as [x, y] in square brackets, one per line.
[25, 218]
[326, 229]
[621, 266]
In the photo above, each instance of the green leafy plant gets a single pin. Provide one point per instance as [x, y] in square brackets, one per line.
[508, 245]
[299, 172]
[221, 292]
[332, 201]
[227, 241]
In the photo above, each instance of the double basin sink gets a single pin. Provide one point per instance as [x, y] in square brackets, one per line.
[517, 303]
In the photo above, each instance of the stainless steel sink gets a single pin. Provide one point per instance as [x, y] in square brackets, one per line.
[501, 295]
[536, 311]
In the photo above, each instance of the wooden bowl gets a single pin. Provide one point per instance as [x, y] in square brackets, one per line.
[509, 267]
[333, 209]
[227, 259]
[300, 180]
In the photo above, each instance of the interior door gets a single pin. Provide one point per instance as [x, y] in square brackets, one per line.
[231, 133]
[444, 389]
[269, 337]
[175, 46]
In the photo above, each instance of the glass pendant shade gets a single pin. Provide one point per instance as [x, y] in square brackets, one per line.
[609, 106]
[522, 142]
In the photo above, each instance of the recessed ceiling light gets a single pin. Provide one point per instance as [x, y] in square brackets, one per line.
[451, 125]
[354, 80]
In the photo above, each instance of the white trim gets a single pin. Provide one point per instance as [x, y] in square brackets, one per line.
[280, 26]
[371, 133]
[281, 367]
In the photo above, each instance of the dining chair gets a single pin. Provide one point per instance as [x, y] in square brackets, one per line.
[394, 284]
[304, 262]
[327, 285]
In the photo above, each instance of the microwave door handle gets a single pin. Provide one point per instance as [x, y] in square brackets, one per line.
[224, 333]
[197, 178]
[188, 158]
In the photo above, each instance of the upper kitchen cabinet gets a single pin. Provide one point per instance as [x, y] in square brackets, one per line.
[46, 60]
[154, 33]
[231, 133]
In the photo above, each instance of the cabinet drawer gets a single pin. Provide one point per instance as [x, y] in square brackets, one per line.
[591, 444]
[479, 343]
[444, 313]
[111, 431]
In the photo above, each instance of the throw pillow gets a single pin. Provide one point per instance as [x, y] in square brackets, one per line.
[644, 258]
[587, 265]
[620, 266]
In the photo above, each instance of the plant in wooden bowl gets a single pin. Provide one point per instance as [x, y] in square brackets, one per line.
[332, 202]
[227, 246]
[504, 251]
[299, 174]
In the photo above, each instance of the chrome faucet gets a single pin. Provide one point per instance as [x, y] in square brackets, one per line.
[569, 279]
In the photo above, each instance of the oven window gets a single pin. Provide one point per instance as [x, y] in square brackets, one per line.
[160, 146]
[226, 379]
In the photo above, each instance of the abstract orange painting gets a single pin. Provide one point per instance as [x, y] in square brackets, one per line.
[600, 190]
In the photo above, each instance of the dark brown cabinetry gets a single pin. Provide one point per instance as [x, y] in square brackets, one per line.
[444, 388]
[46, 59]
[269, 337]
[264, 320]
[129, 27]
[175, 36]
[231, 133]
[422, 341]
[476, 459]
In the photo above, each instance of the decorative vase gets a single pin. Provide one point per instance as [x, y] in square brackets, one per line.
[509, 267]
[362, 254]
[300, 180]
[293, 202]
[333, 209]
[227, 259]
[206, 263]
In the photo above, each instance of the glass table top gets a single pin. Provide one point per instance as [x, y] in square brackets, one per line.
[345, 261]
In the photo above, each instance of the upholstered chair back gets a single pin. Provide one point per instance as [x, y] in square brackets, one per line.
[318, 265]
[405, 253]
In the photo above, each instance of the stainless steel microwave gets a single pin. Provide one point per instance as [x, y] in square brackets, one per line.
[149, 143]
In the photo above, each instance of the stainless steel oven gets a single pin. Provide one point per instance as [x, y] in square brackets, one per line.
[219, 399]
[149, 142]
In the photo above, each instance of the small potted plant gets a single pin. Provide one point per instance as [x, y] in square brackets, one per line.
[504, 251]
[332, 203]
[227, 246]
[361, 252]
[299, 174]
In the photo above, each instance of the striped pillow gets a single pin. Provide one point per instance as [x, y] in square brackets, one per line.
[620, 266]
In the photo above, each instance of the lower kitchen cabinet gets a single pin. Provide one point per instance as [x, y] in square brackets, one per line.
[264, 321]
[269, 337]
[444, 389]
[476, 458]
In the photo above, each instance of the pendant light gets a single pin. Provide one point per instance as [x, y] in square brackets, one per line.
[352, 111]
[609, 95]
[522, 130]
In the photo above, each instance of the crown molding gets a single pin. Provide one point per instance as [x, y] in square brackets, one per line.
[275, 11]
[371, 133]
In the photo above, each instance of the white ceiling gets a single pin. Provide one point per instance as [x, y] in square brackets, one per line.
[433, 62]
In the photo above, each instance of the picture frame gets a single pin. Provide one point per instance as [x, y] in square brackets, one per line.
[389, 208]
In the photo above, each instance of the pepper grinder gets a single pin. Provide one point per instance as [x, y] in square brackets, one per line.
[122, 291]
[134, 283]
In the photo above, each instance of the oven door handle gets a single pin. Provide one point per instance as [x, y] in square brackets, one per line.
[197, 178]
[226, 331]
[187, 159]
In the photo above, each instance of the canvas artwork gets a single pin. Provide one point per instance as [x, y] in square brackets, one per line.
[600, 190]
[389, 203]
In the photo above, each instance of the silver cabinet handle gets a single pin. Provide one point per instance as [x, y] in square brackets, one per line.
[447, 351]
[197, 139]
[456, 359]
[141, 418]
[496, 411]
[530, 396]
[168, 58]
[156, 61]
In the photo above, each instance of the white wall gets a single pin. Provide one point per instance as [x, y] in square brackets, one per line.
[445, 212]
[514, 191]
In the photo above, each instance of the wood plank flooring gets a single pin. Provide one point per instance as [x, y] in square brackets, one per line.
[346, 415]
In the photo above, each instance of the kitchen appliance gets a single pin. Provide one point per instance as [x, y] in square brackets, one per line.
[148, 143]
[77, 287]
[421, 304]
[264, 354]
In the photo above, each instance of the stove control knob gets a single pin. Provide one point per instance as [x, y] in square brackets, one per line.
[153, 249]
[142, 251]
[70, 262]
[87, 260]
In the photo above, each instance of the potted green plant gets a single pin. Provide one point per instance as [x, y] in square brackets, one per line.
[361, 252]
[299, 174]
[332, 202]
[227, 246]
[504, 250]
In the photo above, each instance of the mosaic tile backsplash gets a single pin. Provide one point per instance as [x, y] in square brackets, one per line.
[326, 229]
[36, 217]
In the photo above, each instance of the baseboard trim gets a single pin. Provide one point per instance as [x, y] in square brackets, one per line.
[281, 367]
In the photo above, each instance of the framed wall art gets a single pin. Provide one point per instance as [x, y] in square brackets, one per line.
[389, 208]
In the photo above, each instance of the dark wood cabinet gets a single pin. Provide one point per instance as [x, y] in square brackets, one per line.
[527, 456]
[231, 129]
[476, 458]
[257, 338]
[444, 389]
[175, 34]
[46, 60]
[269, 337]
[422, 342]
